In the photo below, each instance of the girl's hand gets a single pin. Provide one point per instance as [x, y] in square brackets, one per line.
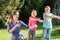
[45, 20]
[30, 27]
[58, 17]
[38, 18]
[35, 26]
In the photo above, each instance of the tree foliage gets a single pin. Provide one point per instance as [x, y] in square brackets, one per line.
[8, 6]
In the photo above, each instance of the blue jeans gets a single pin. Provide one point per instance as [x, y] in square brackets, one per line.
[21, 37]
[46, 33]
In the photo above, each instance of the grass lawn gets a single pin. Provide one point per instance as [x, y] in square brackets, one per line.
[55, 35]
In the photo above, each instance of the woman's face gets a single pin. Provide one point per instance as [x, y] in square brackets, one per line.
[34, 14]
[16, 16]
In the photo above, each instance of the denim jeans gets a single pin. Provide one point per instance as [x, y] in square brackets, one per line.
[46, 33]
[21, 37]
[31, 34]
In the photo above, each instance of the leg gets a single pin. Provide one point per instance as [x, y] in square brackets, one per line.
[14, 37]
[44, 33]
[21, 37]
[48, 33]
[29, 34]
[33, 35]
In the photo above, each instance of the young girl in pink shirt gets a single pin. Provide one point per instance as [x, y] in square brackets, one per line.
[33, 24]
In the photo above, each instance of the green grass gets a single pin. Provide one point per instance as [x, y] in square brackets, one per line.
[55, 35]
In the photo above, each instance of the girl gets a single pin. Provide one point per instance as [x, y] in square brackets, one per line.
[14, 25]
[33, 24]
[47, 26]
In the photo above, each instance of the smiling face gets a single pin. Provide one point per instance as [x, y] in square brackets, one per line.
[15, 16]
[34, 13]
[47, 9]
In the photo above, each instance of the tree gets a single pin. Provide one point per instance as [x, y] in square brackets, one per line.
[8, 6]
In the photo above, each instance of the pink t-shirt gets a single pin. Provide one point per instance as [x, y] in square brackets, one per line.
[33, 22]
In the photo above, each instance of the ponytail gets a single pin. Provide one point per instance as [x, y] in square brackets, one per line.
[9, 19]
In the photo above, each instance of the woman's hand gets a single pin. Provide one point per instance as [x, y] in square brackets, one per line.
[17, 25]
[13, 29]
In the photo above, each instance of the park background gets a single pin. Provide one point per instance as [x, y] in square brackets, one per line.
[25, 7]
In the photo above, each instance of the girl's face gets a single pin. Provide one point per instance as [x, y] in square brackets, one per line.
[34, 14]
[47, 9]
[16, 16]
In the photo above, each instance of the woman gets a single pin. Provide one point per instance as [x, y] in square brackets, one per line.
[14, 25]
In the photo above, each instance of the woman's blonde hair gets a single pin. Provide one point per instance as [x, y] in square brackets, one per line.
[10, 18]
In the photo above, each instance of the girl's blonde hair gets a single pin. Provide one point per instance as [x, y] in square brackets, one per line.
[33, 11]
[48, 7]
[10, 18]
